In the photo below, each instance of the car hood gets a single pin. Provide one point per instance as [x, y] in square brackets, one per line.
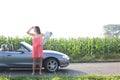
[52, 52]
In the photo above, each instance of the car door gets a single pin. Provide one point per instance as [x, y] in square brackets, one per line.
[20, 58]
[1, 59]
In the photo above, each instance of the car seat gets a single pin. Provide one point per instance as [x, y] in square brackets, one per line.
[11, 47]
[4, 47]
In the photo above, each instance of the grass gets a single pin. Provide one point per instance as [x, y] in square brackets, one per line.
[97, 58]
[65, 77]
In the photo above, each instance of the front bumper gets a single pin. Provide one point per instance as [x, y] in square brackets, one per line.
[64, 63]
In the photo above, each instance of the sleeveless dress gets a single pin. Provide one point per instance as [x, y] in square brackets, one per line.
[37, 51]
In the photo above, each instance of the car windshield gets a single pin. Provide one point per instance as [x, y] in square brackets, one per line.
[28, 45]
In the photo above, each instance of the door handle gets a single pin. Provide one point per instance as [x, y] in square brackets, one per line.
[8, 55]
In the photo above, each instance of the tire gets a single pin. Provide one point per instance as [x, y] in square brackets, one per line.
[51, 65]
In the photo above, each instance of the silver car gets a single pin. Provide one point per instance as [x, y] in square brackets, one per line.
[22, 58]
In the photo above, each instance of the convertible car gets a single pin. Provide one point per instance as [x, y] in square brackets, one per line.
[22, 58]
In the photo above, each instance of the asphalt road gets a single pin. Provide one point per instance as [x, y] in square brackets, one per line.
[72, 69]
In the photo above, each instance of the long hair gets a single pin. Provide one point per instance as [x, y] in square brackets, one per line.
[37, 29]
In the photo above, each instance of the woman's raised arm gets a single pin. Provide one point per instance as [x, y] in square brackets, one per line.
[28, 32]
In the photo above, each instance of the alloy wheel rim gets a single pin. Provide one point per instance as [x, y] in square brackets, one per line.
[52, 65]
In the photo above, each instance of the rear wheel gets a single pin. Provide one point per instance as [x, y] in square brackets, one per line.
[51, 65]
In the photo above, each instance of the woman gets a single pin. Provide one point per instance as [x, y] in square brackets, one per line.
[37, 51]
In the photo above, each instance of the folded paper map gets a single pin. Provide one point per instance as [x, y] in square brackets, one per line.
[46, 37]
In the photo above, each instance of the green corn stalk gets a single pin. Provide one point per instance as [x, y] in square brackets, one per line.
[76, 48]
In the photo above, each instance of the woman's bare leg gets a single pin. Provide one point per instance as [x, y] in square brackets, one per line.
[40, 66]
[34, 64]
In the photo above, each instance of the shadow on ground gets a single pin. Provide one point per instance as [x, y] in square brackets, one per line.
[27, 72]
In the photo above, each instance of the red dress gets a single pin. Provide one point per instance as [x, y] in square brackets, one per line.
[37, 51]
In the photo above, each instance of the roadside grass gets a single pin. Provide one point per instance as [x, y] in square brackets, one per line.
[64, 77]
[113, 57]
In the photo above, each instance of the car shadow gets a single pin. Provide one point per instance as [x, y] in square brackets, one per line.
[27, 72]
[66, 71]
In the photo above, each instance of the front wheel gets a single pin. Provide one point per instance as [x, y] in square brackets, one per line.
[51, 65]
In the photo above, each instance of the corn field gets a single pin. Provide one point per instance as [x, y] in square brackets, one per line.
[75, 48]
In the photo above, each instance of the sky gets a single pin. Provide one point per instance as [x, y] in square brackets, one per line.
[65, 18]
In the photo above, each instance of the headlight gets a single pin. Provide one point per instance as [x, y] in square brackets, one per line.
[65, 56]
